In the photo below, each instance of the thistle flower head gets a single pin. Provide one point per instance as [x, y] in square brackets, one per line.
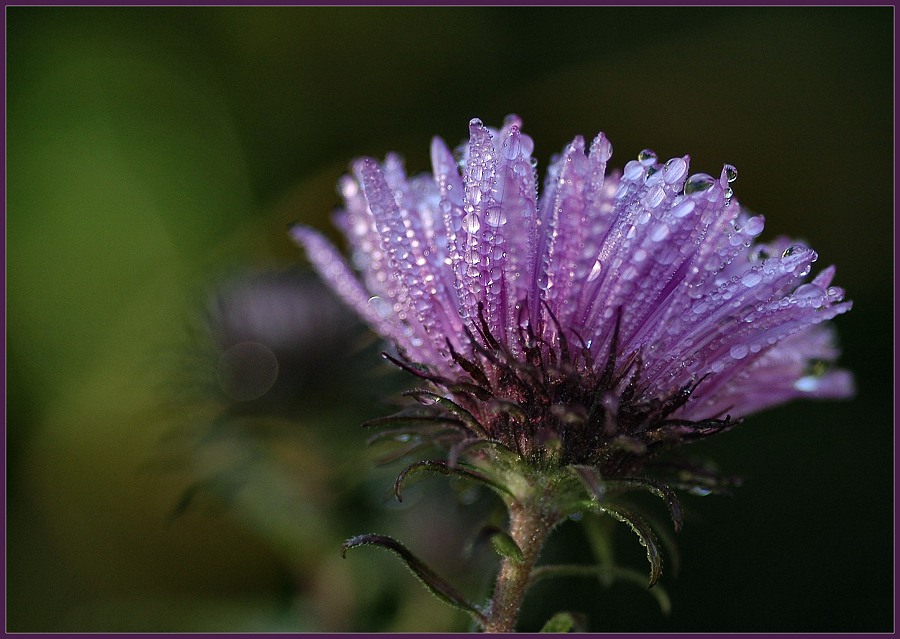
[615, 314]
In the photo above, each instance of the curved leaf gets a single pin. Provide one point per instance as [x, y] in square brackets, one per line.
[438, 587]
[659, 489]
[467, 418]
[465, 445]
[505, 546]
[645, 535]
[413, 421]
[592, 480]
[444, 468]
[560, 622]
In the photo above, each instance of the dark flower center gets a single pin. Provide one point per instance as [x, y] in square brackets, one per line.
[553, 404]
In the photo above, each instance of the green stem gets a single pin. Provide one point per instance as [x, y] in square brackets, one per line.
[529, 527]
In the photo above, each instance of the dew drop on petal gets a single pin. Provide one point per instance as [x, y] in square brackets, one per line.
[807, 384]
[494, 216]
[604, 150]
[754, 225]
[698, 182]
[683, 209]
[730, 173]
[654, 197]
[807, 291]
[717, 367]
[739, 352]
[630, 272]
[544, 282]
[674, 170]
[659, 232]
[471, 223]
[647, 157]
[751, 279]
[633, 170]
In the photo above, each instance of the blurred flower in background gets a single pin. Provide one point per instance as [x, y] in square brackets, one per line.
[155, 159]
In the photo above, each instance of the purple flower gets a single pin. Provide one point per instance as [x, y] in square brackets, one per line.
[626, 307]
[568, 339]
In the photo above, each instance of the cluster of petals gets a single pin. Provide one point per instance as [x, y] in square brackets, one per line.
[650, 261]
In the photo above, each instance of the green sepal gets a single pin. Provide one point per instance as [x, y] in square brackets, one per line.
[505, 546]
[444, 468]
[434, 583]
[659, 489]
[645, 535]
[560, 622]
[467, 418]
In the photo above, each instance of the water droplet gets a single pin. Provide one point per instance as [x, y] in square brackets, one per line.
[807, 384]
[494, 216]
[751, 279]
[698, 182]
[739, 352]
[544, 282]
[603, 149]
[675, 170]
[754, 226]
[729, 193]
[513, 145]
[730, 172]
[630, 272]
[683, 209]
[476, 123]
[647, 157]
[717, 367]
[471, 223]
[807, 291]
[654, 197]
[791, 250]
[659, 232]
[633, 170]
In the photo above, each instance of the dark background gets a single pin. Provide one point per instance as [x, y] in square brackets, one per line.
[155, 158]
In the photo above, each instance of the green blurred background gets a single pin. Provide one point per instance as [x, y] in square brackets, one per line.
[157, 155]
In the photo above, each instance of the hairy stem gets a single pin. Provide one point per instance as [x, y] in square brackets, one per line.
[529, 527]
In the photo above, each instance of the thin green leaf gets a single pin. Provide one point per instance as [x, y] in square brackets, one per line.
[591, 479]
[505, 546]
[645, 535]
[444, 468]
[438, 587]
[659, 489]
[413, 420]
[560, 622]
[467, 418]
